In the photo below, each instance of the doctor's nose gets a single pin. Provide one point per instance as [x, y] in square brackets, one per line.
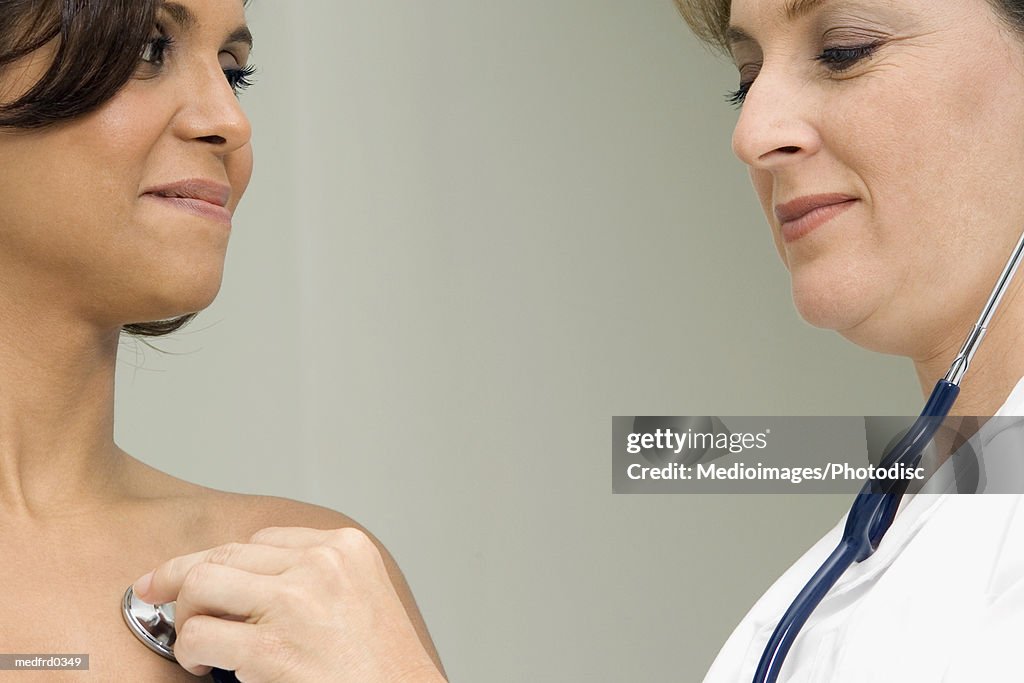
[776, 126]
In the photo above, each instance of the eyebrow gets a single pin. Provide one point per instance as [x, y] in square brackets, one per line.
[797, 8]
[793, 10]
[184, 18]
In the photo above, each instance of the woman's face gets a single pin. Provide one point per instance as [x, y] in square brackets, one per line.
[915, 108]
[81, 235]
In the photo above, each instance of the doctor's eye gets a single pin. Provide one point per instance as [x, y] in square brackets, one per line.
[736, 97]
[836, 59]
[842, 58]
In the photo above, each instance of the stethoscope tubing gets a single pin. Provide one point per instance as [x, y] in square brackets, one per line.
[871, 515]
[793, 620]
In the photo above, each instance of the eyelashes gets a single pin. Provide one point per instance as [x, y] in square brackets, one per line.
[155, 52]
[155, 49]
[836, 59]
[241, 78]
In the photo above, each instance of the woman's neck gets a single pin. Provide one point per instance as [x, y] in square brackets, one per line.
[57, 451]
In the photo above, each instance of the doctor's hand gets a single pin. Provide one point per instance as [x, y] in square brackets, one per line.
[292, 605]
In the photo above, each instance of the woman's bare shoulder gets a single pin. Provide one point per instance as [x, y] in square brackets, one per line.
[248, 513]
[220, 516]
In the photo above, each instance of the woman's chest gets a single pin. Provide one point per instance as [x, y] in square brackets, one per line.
[62, 595]
[58, 616]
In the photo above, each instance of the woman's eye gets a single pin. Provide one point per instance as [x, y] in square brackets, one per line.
[240, 78]
[836, 59]
[154, 51]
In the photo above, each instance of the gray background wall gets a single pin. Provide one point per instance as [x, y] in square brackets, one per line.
[477, 230]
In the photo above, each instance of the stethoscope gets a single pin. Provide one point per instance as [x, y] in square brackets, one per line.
[875, 507]
[154, 626]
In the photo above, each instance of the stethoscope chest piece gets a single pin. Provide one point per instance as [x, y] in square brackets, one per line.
[152, 624]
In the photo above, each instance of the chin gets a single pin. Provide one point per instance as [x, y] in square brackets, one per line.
[828, 297]
[179, 294]
[854, 315]
[825, 310]
[846, 301]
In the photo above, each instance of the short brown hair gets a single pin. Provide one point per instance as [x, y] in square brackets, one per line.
[708, 19]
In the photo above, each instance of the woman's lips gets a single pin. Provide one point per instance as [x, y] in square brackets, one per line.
[795, 229]
[196, 207]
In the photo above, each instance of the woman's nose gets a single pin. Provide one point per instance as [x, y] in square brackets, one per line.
[776, 124]
[213, 114]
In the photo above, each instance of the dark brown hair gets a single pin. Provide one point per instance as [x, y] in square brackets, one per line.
[97, 48]
[709, 19]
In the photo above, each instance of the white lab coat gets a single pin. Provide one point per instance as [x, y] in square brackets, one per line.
[941, 600]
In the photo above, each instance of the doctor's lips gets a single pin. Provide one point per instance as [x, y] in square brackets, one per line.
[199, 196]
[799, 216]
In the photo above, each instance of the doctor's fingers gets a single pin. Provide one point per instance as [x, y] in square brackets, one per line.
[353, 548]
[234, 594]
[167, 579]
[204, 642]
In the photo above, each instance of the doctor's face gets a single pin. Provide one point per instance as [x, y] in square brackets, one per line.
[913, 110]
